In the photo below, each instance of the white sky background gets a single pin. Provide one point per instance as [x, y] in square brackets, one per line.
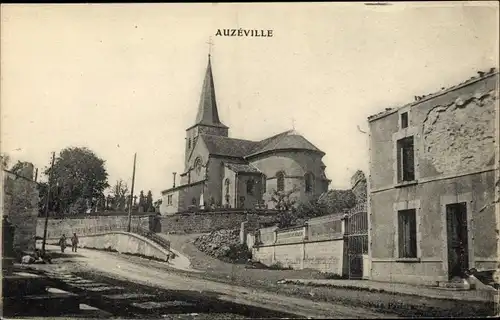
[121, 79]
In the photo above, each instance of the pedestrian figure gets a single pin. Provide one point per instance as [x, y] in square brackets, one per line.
[62, 243]
[74, 242]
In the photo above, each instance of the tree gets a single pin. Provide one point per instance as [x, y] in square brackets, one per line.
[337, 200]
[54, 203]
[142, 201]
[311, 208]
[149, 202]
[157, 205]
[80, 206]
[101, 203]
[120, 192]
[283, 200]
[4, 160]
[79, 176]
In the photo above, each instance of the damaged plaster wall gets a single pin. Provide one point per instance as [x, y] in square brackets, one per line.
[460, 136]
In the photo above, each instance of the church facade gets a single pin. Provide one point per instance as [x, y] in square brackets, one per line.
[220, 171]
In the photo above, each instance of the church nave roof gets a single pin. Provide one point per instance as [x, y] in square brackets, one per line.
[239, 148]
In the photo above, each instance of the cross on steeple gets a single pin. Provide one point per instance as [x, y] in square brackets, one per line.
[210, 45]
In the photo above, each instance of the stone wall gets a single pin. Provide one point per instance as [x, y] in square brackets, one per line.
[88, 226]
[310, 246]
[124, 242]
[20, 204]
[204, 222]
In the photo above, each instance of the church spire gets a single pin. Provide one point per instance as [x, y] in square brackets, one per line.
[207, 109]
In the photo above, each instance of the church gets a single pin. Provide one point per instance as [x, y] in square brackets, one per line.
[224, 172]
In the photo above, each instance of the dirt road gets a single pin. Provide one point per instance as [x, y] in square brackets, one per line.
[123, 268]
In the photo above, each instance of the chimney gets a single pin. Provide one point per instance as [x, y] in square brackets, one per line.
[174, 173]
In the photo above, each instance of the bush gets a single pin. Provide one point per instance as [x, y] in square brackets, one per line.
[279, 266]
[330, 275]
[238, 253]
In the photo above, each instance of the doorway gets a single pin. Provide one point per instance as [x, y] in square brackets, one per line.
[457, 239]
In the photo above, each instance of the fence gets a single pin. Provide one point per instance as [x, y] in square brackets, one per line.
[356, 240]
[335, 243]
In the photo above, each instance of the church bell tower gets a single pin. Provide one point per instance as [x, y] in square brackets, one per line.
[207, 119]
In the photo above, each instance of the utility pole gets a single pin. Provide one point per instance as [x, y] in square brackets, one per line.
[47, 202]
[131, 196]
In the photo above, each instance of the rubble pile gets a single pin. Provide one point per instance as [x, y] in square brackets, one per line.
[224, 245]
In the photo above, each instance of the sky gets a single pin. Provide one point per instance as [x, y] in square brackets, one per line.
[126, 78]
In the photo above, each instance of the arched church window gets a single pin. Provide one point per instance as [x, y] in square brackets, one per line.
[309, 182]
[264, 183]
[189, 143]
[280, 181]
[227, 182]
[197, 165]
[250, 184]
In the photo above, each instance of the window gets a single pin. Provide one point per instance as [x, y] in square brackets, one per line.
[242, 202]
[407, 233]
[404, 120]
[309, 181]
[280, 181]
[406, 161]
[169, 200]
[197, 165]
[189, 143]
[227, 183]
[193, 201]
[264, 183]
[250, 184]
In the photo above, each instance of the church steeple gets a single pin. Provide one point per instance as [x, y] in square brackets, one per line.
[207, 118]
[207, 108]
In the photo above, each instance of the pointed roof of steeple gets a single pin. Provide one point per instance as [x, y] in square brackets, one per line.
[207, 109]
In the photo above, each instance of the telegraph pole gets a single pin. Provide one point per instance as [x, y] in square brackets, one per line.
[131, 196]
[47, 202]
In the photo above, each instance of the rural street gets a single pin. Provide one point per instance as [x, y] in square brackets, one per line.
[120, 267]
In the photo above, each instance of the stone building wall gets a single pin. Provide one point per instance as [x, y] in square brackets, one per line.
[455, 140]
[20, 204]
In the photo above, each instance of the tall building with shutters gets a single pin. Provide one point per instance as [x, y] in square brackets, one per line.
[220, 171]
[434, 185]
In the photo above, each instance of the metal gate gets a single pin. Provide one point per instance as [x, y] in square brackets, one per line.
[356, 241]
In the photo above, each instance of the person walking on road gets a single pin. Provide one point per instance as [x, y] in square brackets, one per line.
[62, 243]
[74, 242]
